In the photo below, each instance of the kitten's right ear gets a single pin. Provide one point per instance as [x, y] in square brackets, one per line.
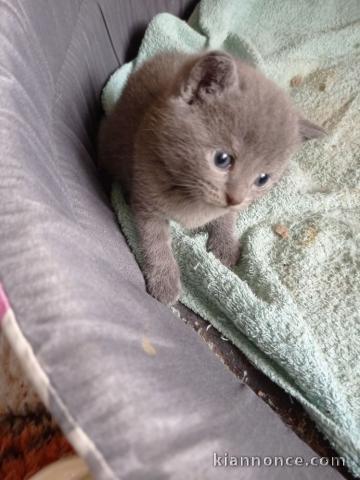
[309, 130]
[211, 75]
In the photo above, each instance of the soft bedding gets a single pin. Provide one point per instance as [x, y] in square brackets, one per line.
[292, 304]
[73, 305]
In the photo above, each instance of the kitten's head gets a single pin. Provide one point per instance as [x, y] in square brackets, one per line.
[225, 133]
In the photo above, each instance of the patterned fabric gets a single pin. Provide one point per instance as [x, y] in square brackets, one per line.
[28, 443]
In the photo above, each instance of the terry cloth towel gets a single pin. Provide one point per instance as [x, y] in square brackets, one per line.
[292, 304]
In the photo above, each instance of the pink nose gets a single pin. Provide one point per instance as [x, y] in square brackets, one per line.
[231, 200]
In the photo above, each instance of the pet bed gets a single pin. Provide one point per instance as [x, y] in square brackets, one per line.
[292, 303]
[135, 390]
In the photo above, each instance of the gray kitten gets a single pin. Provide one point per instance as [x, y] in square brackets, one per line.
[196, 139]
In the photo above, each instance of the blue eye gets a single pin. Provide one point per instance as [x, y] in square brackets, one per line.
[223, 160]
[262, 179]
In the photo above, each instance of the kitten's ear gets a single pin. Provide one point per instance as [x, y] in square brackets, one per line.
[309, 130]
[212, 74]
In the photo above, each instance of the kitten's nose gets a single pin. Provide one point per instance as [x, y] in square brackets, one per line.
[231, 200]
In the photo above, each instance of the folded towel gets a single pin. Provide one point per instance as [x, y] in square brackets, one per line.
[292, 304]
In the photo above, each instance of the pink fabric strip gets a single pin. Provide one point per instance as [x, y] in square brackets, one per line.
[4, 303]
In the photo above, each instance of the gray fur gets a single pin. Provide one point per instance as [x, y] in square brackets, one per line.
[176, 111]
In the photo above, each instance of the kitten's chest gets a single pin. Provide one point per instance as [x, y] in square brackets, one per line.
[191, 215]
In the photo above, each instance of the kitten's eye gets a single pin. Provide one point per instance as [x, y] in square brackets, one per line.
[262, 179]
[223, 160]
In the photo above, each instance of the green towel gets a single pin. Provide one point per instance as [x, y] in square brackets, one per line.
[292, 304]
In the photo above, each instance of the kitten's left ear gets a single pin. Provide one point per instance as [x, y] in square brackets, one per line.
[211, 75]
[309, 130]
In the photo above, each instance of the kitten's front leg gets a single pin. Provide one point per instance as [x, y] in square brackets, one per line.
[161, 271]
[222, 241]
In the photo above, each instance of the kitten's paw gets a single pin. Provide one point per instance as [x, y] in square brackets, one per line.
[164, 284]
[227, 250]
